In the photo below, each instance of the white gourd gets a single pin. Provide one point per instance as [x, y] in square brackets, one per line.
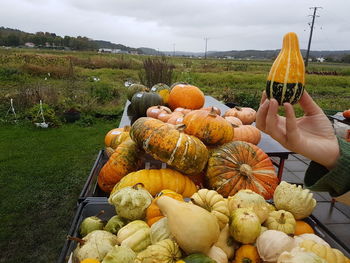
[317, 239]
[217, 254]
[160, 231]
[272, 243]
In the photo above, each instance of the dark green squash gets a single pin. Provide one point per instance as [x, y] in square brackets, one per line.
[134, 88]
[286, 79]
[196, 258]
[141, 101]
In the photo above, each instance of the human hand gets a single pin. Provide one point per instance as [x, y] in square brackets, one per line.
[311, 135]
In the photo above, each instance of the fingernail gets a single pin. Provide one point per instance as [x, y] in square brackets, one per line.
[266, 102]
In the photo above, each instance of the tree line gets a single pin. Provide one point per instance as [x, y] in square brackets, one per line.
[14, 38]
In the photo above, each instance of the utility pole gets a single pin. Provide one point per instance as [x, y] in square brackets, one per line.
[206, 47]
[174, 50]
[311, 31]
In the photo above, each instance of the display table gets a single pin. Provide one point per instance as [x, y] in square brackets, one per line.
[270, 146]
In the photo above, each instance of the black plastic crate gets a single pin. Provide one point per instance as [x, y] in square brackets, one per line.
[92, 206]
[90, 188]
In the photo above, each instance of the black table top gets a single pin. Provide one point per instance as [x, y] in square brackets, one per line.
[340, 118]
[267, 144]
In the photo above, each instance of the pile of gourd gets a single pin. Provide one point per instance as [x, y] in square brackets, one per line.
[206, 227]
[210, 205]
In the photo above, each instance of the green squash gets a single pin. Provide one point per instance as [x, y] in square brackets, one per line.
[141, 101]
[134, 88]
[196, 258]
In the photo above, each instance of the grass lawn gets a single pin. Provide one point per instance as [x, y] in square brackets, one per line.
[42, 172]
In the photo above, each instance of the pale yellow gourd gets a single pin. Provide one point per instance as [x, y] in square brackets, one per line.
[165, 251]
[160, 231]
[135, 235]
[248, 199]
[214, 203]
[226, 242]
[281, 220]
[217, 254]
[245, 226]
[299, 255]
[194, 228]
[294, 199]
[330, 254]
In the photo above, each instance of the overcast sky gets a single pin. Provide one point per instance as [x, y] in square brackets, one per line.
[183, 24]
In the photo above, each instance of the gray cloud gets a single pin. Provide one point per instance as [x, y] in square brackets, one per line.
[229, 24]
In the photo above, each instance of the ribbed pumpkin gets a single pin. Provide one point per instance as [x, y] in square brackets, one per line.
[156, 180]
[184, 152]
[141, 101]
[247, 133]
[245, 114]
[233, 120]
[163, 90]
[112, 134]
[206, 125]
[153, 213]
[286, 79]
[134, 88]
[241, 165]
[186, 96]
[154, 111]
[124, 160]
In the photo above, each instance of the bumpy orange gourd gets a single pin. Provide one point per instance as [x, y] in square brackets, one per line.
[153, 213]
[156, 180]
[247, 133]
[286, 79]
[241, 165]
[124, 160]
[186, 96]
[164, 142]
[206, 125]
[247, 254]
[245, 114]
[115, 135]
[302, 227]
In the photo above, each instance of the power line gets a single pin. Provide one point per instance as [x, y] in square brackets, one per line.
[311, 31]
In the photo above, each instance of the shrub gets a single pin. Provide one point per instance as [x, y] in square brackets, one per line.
[34, 115]
[156, 70]
[103, 92]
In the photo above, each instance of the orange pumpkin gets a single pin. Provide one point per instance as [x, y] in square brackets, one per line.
[206, 125]
[346, 114]
[112, 134]
[241, 165]
[247, 254]
[176, 118]
[245, 114]
[124, 160]
[186, 96]
[163, 142]
[247, 133]
[182, 110]
[156, 180]
[233, 120]
[153, 213]
[154, 111]
[302, 227]
[215, 109]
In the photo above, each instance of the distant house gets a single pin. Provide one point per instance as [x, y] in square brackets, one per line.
[320, 59]
[29, 44]
[110, 50]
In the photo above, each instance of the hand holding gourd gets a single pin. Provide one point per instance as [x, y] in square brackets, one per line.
[311, 135]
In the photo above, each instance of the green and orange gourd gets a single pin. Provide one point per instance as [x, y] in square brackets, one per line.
[286, 79]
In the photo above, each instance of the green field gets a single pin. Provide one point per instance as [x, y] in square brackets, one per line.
[42, 171]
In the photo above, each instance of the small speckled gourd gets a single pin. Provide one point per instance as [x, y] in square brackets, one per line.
[286, 79]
